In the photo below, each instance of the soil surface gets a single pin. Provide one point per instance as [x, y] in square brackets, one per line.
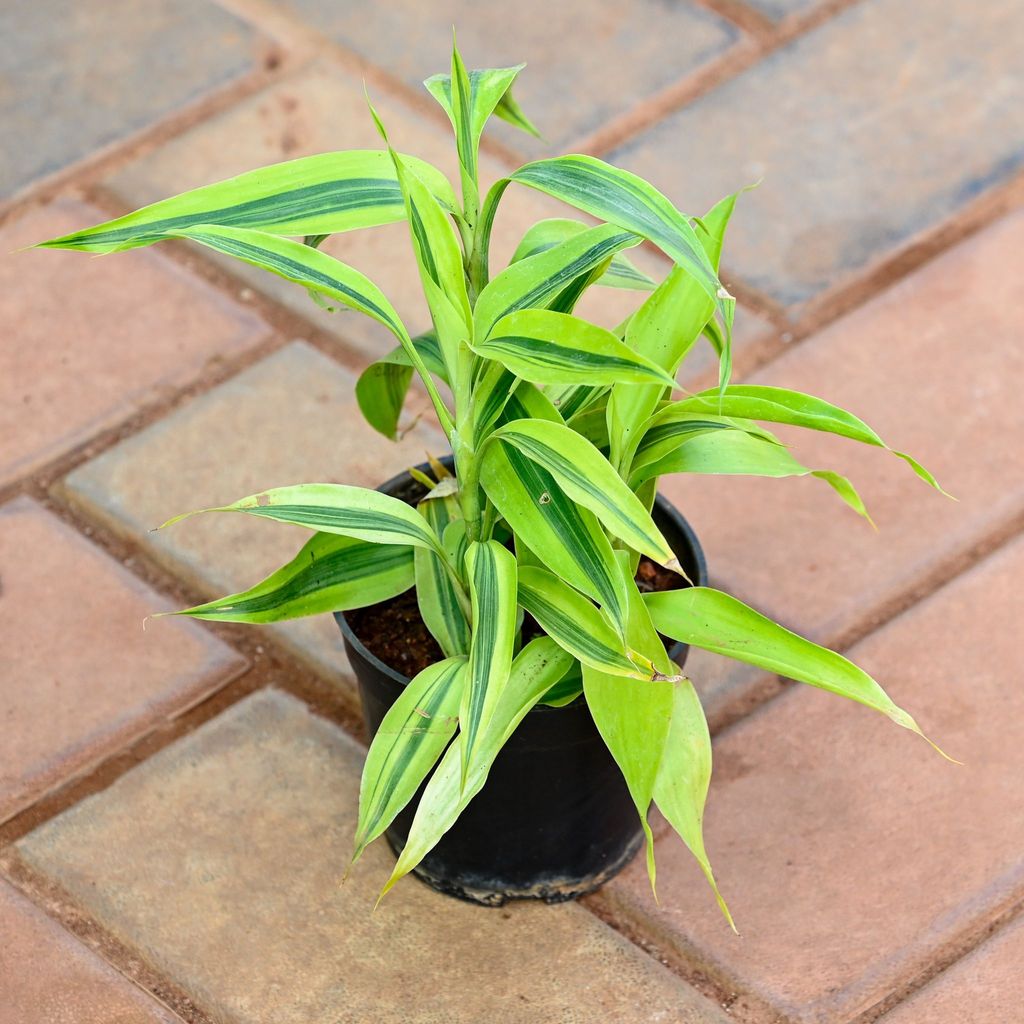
[395, 632]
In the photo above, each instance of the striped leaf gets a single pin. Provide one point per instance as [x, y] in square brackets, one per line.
[619, 197]
[303, 264]
[323, 194]
[439, 257]
[491, 570]
[321, 275]
[329, 574]
[412, 736]
[546, 347]
[681, 785]
[537, 667]
[587, 478]
[672, 424]
[574, 623]
[546, 234]
[715, 621]
[336, 508]
[439, 602]
[546, 520]
[780, 405]
[478, 95]
[535, 282]
[633, 716]
[737, 452]
[383, 386]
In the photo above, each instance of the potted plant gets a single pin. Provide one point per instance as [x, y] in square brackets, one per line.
[532, 584]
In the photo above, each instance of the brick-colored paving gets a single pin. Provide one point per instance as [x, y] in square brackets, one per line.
[198, 881]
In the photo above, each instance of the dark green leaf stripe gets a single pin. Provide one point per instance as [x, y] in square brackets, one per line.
[335, 518]
[425, 715]
[423, 243]
[331, 573]
[313, 195]
[439, 604]
[622, 198]
[492, 587]
[544, 290]
[555, 356]
[563, 516]
[562, 627]
[351, 563]
[278, 263]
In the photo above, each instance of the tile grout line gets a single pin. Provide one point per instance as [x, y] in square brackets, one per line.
[131, 964]
[750, 49]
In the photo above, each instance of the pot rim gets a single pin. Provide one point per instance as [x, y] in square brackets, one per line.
[662, 503]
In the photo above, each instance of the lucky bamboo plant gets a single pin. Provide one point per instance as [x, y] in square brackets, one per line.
[559, 428]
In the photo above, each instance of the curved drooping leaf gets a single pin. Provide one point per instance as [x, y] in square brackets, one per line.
[546, 234]
[302, 264]
[321, 275]
[383, 386]
[662, 330]
[491, 570]
[633, 716]
[537, 667]
[534, 282]
[329, 574]
[619, 197]
[439, 602]
[780, 405]
[737, 452]
[681, 785]
[336, 508]
[587, 478]
[323, 194]
[546, 347]
[411, 737]
[717, 622]
[672, 424]
[574, 623]
[541, 514]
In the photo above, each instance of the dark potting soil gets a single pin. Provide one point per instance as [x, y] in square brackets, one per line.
[395, 632]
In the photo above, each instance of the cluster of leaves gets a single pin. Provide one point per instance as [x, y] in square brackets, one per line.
[560, 429]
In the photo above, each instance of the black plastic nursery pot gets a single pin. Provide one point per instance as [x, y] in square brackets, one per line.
[554, 820]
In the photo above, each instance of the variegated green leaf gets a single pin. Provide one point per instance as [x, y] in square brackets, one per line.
[546, 234]
[322, 275]
[478, 94]
[737, 452]
[491, 571]
[780, 405]
[587, 477]
[574, 623]
[541, 514]
[534, 282]
[323, 194]
[537, 667]
[546, 347]
[336, 508]
[715, 621]
[633, 716]
[383, 386]
[329, 574]
[411, 737]
[672, 424]
[681, 785]
[302, 264]
[440, 603]
[439, 257]
[619, 197]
